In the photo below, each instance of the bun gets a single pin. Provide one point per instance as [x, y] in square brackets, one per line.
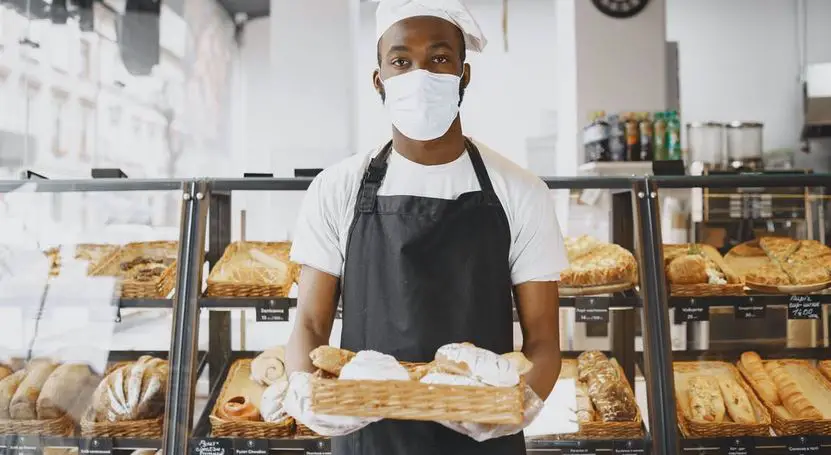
[269, 367]
[331, 360]
[239, 409]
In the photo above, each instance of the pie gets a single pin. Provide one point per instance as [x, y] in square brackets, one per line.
[779, 249]
[809, 249]
[594, 263]
[805, 273]
[769, 274]
[689, 264]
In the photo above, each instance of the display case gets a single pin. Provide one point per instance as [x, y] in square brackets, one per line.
[223, 290]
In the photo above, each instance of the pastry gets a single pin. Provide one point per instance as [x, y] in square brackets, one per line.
[8, 386]
[805, 273]
[706, 401]
[67, 391]
[521, 364]
[269, 367]
[809, 249]
[585, 409]
[24, 402]
[599, 264]
[611, 396]
[753, 365]
[5, 371]
[485, 366]
[135, 391]
[271, 404]
[576, 247]
[779, 249]
[688, 269]
[688, 264]
[439, 367]
[770, 274]
[239, 409]
[586, 362]
[330, 359]
[791, 394]
[735, 398]
[374, 366]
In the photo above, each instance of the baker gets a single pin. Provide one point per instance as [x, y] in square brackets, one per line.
[430, 239]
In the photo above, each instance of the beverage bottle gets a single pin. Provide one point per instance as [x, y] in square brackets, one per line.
[617, 138]
[590, 139]
[645, 128]
[674, 136]
[633, 140]
[603, 149]
[660, 137]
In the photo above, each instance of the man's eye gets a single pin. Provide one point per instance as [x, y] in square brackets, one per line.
[399, 62]
[440, 59]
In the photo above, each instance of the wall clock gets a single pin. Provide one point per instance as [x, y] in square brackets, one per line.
[620, 9]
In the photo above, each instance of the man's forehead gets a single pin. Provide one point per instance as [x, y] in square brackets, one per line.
[421, 31]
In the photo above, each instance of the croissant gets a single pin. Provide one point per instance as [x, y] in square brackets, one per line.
[240, 409]
[268, 367]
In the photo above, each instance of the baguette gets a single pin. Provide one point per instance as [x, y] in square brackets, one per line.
[67, 391]
[738, 404]
[752, 363]
[24, 402]
[706, 402]
[8, 386]
[791, 394]
[585, 409]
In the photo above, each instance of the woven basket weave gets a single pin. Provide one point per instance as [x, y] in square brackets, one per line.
[63, 426]
[221, 288]
[139, 429]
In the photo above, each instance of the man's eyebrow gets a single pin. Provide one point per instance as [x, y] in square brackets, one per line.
[398, 48]
[441, 44]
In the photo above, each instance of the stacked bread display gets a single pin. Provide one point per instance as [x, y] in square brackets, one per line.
[794, 391]
[146, 269]
[44, 397]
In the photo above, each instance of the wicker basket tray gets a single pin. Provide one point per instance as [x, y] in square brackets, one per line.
[412, 400]
[238, 383]
[818, 391]
[735, 284]
[222, 288]
[139, 429]
[132, 289]
[94, 253]
[599, 429]
[63, 426]
[727, 428]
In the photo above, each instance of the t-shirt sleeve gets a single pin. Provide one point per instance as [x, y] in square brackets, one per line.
[316, 236]
[538, 252]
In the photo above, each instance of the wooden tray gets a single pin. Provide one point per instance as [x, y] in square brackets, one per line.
[728, 428]
[599, 429]
[568, 291]
[412, 400]
[63, 426]
[221, 288]
[706, 289]
[238, 383]
[132, 289]
[816, 389]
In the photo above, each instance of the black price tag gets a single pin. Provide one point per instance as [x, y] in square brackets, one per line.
[804, 445]
[251, 446]
[804, 307]
[587, 448]
[25, 445]
[320, 447]
[591, 309]
[631, 447]
[272, 311]
[96, 446]
[750, 310]
[739, 446]
[690, 311]
[211, 447]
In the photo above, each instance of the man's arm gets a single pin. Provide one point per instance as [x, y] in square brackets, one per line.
[538, 305]
[316, 305]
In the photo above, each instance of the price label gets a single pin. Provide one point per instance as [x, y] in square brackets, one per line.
[5, 441]
[251, 446]
[25, 445]
[631, 447]
[803, 445]
[272, 311]
[96, 446]
[804, 307]
[211, 447]
[591, 310]
[739, 446]
[585, 448]
[750, 310]
[690, 311]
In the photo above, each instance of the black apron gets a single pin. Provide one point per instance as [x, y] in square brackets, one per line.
[420, 273]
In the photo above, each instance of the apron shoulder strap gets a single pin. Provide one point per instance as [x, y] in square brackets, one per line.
[481, 171]
[371, 182]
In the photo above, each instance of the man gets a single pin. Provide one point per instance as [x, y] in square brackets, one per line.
[430, 239]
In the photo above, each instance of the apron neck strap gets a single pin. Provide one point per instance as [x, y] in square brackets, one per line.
[480, 169]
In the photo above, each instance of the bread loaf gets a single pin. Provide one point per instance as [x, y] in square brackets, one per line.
[752, 363]
[24, 402]
[609, 392]
[825, 368]
[5, 371]
[135, 391]
[330, 360]
[706, 401]
[791, 394]
[586, 362]
[67, 391]
[8, 386]
[738, 404]
[585, 410]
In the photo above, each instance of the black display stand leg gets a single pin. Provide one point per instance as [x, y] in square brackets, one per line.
[623, 320]
[219, 322]
[656, 325]
[185, 331]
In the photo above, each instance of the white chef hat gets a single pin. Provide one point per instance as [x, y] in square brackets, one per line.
[454, 11]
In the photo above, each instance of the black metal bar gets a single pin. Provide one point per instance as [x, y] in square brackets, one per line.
[584, 183]
[185, 332]
[623, 321]
[757, 299]
[656, 335]
[73, 186]
[219, 322]
[742, 181]
[262, 184]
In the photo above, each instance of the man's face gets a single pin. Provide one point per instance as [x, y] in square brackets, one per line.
[421, 43]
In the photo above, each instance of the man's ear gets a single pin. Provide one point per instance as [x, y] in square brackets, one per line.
[376, 81]
[466, 76]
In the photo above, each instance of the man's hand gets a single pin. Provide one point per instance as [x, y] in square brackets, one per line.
[316, 305]
[482, 432]
[298, 404]
[538, 305]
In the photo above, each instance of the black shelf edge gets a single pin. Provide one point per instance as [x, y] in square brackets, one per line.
[145, 303]
[733, 300]
[261, 184]
[70, 301]
[585, 183]
[74, 186]
[588, 444]
[73, 442]
[243, 302]
[766, 352]
[742, 181]
[755, 444]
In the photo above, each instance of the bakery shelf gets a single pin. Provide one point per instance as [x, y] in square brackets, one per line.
[759, 299]
[245, 302]
[36, 444]
[757, 445]
[767, 353]
[612, 446]
[145, 303]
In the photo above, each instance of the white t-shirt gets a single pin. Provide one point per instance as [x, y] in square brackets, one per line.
[537, 251]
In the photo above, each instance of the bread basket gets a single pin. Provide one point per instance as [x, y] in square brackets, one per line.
[252, 287]
[134, 289]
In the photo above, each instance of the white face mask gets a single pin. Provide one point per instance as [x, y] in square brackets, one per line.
[422, 105]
